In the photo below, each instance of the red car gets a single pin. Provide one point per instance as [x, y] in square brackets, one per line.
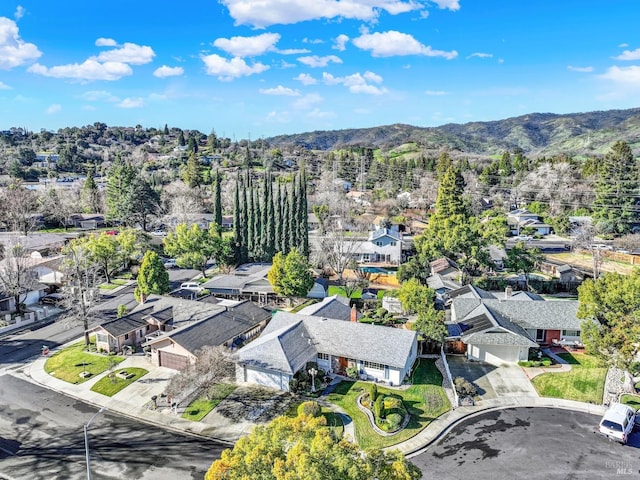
[111, 232]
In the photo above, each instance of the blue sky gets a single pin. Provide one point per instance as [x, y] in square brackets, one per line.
[257, 68]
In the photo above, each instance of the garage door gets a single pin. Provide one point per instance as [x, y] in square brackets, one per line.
[267, 379]
[171, 360]
[498, 354]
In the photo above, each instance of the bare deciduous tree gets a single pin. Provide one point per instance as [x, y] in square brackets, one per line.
[19, 207]
[214, 365]
[16, 275]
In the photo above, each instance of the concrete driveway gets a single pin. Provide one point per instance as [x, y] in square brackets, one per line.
[492, 381]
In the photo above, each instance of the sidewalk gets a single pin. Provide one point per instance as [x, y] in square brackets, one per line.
[130, 403]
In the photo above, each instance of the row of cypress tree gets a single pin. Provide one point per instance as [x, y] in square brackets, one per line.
[269, 218]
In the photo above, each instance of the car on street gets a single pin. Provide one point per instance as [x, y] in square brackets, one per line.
[618, 422]
[159, 233]
[524, 238]
[53, 299]
[170, 263]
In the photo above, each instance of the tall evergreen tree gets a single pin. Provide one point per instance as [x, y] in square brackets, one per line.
[264, 226]
[181, 140]
[277, 215]
[119, 179]
[270, 242]
[217, 198]
[303, 218]
[248, 198]
[90, 194]
[615, 208]
[237, 228]
[285, 234]
[192, 175]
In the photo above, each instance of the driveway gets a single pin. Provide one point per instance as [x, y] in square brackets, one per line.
[492, 381]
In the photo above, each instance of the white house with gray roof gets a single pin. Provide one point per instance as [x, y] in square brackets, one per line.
[290, 341]
[501, 329]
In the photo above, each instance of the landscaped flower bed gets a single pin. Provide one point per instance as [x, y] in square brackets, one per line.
[386, 412]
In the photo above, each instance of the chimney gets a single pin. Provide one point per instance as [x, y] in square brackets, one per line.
[354, 314]
[143, 297]
[508, 291]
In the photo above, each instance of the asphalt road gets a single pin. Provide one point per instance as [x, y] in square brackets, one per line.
[530, 443]
[41, 437]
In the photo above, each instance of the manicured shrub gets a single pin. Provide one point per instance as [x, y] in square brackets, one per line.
[546, 362]
[464, 387]
[394, 420]
[392, 402]
[352, 372]
[373, 392]
[310, 409]
[378, 407]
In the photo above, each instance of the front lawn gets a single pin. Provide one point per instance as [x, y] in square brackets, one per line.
[113, 383]
[425, 400]
[69, 363]
[201, 406]
[336, 289]
[584, 383]
[632, 400]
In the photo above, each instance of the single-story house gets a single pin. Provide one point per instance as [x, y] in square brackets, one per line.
[230, 327]
[336, 307]
[291, 340]
[501, 330]
[441, 285]
[445, 267]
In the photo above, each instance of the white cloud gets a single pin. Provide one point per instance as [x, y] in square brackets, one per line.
[316, 61]
[19, 13]
[229, 69]
[623, 45]
[481, 55]
[305, 102]
[394, 43]
[623, 75]
[106, 42]
[436, 93]
[99, 96]
[313, 41]
[131, 102]
[306, 79]
[54, 108]
[293, 51]
[86, 71]
[580, 69]
[316, 113]
[248, 46]
[448, 4]
[280, 90]
[357, 83]
[271, 12]
[13, 50]
[629, 55]
[129, 53]
[341, 41]
[164, 71]
[4, 86]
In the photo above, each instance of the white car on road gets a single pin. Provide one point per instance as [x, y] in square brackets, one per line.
[195, 286]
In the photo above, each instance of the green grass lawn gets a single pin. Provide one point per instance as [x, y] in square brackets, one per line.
[425, 400]
[67, 364]
[336, 289]
[112, 384]
[584, 383]
[632, 400]
[115, 283]
[201, 406]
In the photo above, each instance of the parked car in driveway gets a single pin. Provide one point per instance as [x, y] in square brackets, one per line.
[192, 286]
[53, 299]
[618, 422]
[170, 263]
[159, 233]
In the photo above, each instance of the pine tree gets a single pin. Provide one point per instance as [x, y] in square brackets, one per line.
[181, 140]
[277, 224]
[191, 175]
[217, 198]
[303, 216]
[90, 194]
[119, 179]
[285, 234]
[248, 198]
[270, 240]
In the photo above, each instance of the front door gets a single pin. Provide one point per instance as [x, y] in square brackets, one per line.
[540, 336]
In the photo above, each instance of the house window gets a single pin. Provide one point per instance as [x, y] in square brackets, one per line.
[102, 338]
[373, 365]
[393, 244]
[126, 336]
[539, 335]
[570, 333]
[378, 243]
[323, 356]
[147, 328]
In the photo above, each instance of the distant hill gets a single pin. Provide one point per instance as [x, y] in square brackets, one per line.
[536, 134]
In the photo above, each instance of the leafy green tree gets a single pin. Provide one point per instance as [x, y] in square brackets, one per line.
[414, 296]
[153, 277]
[122, 310]
[192, 246]
[322, 213]
[105, 251]
[303, 448]
[290, 275]
[522, 259]
[90, 194]
[614, 208]
[610, 309]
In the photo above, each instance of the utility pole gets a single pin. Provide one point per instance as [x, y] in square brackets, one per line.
[86, 441]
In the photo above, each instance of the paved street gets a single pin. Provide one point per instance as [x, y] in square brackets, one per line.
[41, 437]
[532, 443]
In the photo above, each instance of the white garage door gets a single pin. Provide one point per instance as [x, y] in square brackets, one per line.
[267, 378]
[496, 354]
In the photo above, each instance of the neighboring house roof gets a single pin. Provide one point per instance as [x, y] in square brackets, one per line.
[442, 264]
[469, 291]
[499, 338]
[564, 268]
[184, 311]
[290, 340]
[437, 282]
[527, 296]
[127, 323]
[336, 307]
[384, 232]
[497, 253]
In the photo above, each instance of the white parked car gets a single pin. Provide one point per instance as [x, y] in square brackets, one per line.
[170, 263]
[524, 238]
[192, 286]
[618, 422]
[159, 233]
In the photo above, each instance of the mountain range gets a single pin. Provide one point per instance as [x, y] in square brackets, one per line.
[536, 134]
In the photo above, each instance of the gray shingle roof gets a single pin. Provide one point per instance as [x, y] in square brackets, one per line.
[127, 323]
[437, 281]
[336, 307]
[184, 311]
[385, 345]
[546, 315]
[499, 338]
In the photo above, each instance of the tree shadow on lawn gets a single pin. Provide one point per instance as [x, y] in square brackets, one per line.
[254, 405]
